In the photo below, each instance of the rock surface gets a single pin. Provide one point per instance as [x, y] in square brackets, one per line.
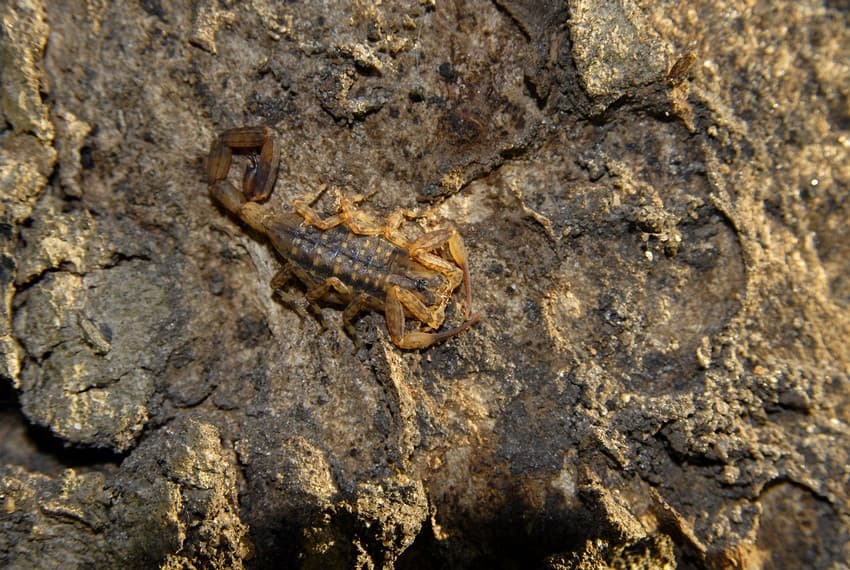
[654, 198]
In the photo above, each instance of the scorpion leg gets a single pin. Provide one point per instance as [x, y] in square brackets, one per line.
[392, 230]
[357, 303]
[281, 278]
[278, 285]
[351, 310]
[362, 223]
[394, 311]
[313, 218]
[263, 151]
[434, 240]
[357, 222]
[312, 285]
[331, 283]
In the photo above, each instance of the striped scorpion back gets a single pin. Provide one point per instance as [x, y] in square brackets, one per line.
[368, 264]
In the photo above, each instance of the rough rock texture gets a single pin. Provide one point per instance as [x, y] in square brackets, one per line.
[172, 503]
[654, 197]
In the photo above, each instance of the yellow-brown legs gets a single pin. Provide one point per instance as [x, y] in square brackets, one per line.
[420, 251]
[330, 284]
[278, 285]
[397, 301]
[318, 292]
[261, 147]
[356, 221]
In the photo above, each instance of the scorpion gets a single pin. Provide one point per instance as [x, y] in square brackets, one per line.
[347, 258]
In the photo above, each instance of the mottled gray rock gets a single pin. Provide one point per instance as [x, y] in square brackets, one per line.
[173, 504]
[615, 49]
[654, 202]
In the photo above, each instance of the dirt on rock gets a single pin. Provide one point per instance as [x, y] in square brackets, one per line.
[654, 199]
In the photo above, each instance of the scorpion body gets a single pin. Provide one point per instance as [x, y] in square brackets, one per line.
[347, 258]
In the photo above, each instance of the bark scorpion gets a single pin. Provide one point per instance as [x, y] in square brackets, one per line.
[347, 258]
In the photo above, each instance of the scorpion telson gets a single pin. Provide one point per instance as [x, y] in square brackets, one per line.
[347, 258]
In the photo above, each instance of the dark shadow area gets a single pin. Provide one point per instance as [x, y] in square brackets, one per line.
[36, 449]
[510, 541]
